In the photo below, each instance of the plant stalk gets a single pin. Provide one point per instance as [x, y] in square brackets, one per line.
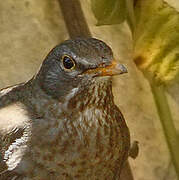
[167, 122]
[74, 18]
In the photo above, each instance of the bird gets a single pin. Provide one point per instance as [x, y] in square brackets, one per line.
[63, 124]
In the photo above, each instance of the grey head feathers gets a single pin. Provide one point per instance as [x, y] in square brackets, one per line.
[85, 54]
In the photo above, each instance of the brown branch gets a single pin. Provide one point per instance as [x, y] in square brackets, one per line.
[77, 27]
[74, 18]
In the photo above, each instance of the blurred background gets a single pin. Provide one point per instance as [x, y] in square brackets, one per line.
[30, 29]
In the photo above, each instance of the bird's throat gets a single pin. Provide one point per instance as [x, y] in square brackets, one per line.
[97, 94]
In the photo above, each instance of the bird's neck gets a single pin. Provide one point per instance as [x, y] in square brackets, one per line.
[98, 94]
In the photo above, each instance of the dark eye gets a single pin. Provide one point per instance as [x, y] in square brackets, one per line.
[68, 62]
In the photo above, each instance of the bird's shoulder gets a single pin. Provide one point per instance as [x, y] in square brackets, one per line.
[13, 122]
[12, 112]
[9, 94]
[8, 89]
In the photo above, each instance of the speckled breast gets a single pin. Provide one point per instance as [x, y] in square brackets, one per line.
[92, 145]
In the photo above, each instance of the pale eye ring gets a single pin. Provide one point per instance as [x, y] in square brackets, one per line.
[68, 62]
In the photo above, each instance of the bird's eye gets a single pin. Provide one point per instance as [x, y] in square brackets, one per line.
[68, 62]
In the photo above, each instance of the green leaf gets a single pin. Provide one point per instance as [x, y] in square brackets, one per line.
[109, 11]
[156, 39]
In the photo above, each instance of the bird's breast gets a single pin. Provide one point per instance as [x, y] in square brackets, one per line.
[88, 144]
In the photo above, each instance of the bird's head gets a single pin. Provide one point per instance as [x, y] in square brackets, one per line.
[74, 64]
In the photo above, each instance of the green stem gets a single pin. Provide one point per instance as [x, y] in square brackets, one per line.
[167, 122]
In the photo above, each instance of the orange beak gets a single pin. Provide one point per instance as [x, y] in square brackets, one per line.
[111, 70]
